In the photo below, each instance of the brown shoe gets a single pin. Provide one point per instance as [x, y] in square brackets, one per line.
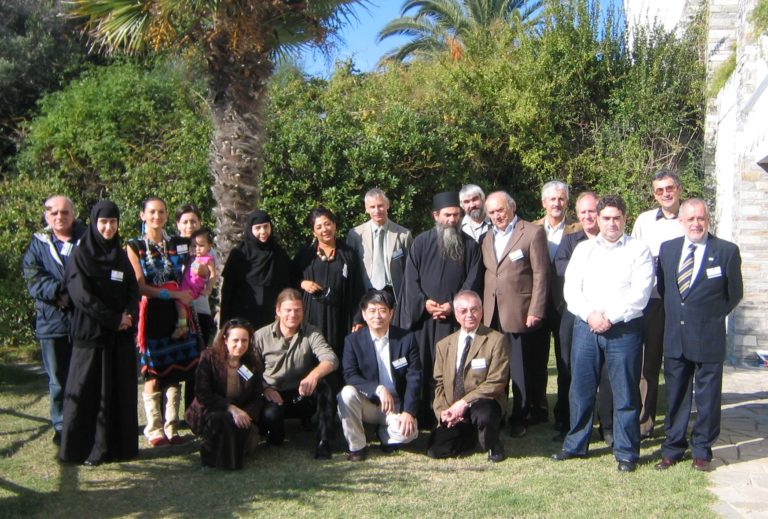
[360, 455]
[665, 463]
[700, 464]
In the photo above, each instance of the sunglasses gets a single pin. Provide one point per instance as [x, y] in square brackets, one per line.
[668, 189]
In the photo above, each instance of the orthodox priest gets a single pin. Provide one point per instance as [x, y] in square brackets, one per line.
[442, 262]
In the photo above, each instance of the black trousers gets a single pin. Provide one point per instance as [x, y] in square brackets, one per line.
[224, 443]
[482, 422]
[322, 404]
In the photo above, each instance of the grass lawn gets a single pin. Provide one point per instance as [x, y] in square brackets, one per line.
[287, 482]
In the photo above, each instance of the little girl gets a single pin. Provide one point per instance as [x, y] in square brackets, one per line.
[195, 278]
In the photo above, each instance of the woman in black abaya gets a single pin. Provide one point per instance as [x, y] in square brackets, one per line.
[100, 417]
[255, 272]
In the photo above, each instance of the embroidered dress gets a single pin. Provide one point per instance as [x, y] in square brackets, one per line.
[162, 357]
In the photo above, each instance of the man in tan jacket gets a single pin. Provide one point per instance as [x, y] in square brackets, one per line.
[517, 271]
[470, 374]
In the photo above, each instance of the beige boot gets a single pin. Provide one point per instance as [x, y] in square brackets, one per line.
[152, 409]
[172, 403]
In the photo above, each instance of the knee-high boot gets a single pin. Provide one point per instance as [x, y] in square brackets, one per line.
[153, 411]
[172, 402]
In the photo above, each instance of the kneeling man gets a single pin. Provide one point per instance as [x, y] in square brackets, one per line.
[297, 359]
[383, 375]
[471, 376]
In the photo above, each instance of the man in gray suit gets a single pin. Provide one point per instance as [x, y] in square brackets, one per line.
[381, 245]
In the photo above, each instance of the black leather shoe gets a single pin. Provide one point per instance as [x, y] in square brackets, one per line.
[627, 466]
[664, 464]
[496, 453]
[389, 449]
[56, 438]
[91, 463]
[608, 438]
[323, 450]
[360, 455]
[517, 430]
[565, 455]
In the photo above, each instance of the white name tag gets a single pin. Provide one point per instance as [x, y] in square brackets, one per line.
[116, 275]
[714, 272]
[182, 248]
[245, 373]
[516, 255]
[398, 253]
[344, 271]
[399, 363]
[66, 249]
[478, 364]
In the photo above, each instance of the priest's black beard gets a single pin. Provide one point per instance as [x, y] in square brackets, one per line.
[477, 214]
[449, 242]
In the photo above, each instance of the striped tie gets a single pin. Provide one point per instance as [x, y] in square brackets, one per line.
[685, 276]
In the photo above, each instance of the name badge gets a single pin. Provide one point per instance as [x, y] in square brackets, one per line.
[182, 248]
[397, 254]
[399, 363]
[116, 275]
[245, 373]
[66, 249]
[714, 272]
[516, 255]
[344, 271]
[478, 364]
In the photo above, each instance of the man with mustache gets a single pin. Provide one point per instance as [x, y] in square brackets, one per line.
[441, 262]
[475, 222]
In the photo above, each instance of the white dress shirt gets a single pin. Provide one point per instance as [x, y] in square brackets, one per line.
[614, 278]
[698, 256]
[384, 362]
[653, 228]
[554, 236]
[501, 238]
[462, 344]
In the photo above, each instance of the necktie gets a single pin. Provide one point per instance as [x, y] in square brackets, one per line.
[379, 274]
[458, 381]
[685, 275]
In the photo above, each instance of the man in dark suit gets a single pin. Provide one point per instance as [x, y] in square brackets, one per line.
[470, 373]
[699, 280]
[381, 245]
[383, 375]
[517, 270]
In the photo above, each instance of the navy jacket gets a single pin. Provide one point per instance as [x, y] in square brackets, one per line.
[361, 369]
[695, 328]
[44, 272]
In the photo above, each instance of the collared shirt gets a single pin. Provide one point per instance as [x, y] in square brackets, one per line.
[501, 238]
[463, 344]
[614, 278]
[653, 228]
[381, 344]
[65, 248]
[698, 256]
[287, 362]
[473, 229]
[554, 236]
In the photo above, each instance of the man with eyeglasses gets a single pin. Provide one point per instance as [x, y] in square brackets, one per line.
[654, 227]
[44, 263]
[470, 374]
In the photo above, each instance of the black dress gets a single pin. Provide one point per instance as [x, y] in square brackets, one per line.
[224, 444]
[100, 416]
[334, 309]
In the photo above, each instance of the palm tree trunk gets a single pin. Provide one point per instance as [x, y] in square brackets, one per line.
[237, 91]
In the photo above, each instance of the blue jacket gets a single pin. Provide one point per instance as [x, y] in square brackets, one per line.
[43, 273]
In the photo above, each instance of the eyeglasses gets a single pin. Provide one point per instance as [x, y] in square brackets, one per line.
[472, 310]
[668, 189]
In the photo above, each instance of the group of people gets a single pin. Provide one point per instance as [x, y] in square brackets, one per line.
[402, 333]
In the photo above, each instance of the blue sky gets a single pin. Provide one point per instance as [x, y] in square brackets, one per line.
[358, 38]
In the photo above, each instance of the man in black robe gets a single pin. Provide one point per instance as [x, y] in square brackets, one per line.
[441, 262]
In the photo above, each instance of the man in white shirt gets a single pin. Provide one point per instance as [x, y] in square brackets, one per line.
[383, 375]
[607, 284]
[475, 222]
[654, 227]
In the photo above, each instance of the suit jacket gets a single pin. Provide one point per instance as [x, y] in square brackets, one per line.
[361, 368]
[489, 382]
[398, 241]
[518, 286]
[695, 328]
[571, 225]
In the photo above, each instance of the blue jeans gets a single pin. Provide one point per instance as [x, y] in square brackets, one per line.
[56, 353]
[621, 349]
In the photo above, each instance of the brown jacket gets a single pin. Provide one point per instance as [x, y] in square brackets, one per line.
[571, 225]
[518, 283]
[489, 382]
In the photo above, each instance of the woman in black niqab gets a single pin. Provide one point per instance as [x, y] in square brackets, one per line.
[100, 416]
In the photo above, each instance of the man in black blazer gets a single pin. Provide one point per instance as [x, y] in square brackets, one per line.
[383, 376]
[699, 280]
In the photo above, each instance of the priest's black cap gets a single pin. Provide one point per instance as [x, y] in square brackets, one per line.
[445, 199]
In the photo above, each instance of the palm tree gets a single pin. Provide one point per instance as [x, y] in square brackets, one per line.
[239, 40]
[442, 27]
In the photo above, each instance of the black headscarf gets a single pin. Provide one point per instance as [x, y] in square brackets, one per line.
[96, 256]
[264, 260]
